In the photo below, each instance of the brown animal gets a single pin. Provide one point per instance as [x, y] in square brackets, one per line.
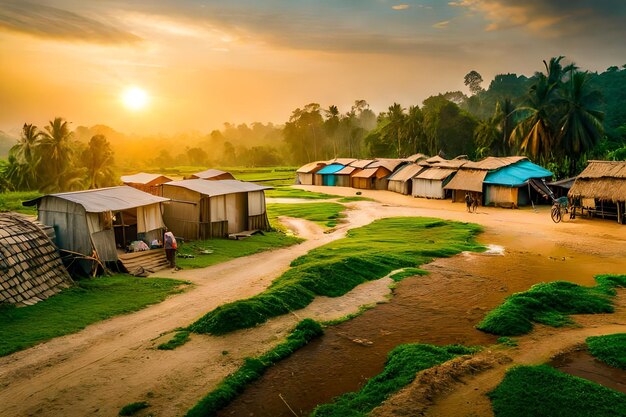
[475, 198]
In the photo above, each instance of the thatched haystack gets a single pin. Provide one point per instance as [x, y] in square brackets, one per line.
[30, 266]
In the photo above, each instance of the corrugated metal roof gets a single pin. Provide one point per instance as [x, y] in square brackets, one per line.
[366, 173]
[390, 164]
[346, 171]
[106, 199]
[467, 180]
[406, 173]
[219, 187]
[311, 167]
[143, 178]
[435, 174]
[210, 173]
[330, 169]
[361, 163]
[517, 174]
[494, 162]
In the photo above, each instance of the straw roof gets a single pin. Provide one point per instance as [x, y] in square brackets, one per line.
[30, 267]
[494, 162]
[604, 180]
[436, 174]
[467, 180]
[311, 167]
[406, 173]
[361, 163]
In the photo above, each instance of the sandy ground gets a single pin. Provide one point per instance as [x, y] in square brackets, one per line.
[112, 363]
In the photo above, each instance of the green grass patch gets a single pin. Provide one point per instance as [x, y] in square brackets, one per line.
[403, 363]
[210, 252]
[132, 408]
[355, 198]
[362, 309]
[73, 309]
[407, 272]
[610, 349]
[507, 341]
[551, 304]
[12, 201]
[543, 391]
[180, 338]
[290, 192]
[253, 368]
[324, 214]
[367, 253]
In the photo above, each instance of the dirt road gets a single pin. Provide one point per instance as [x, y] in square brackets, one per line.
[112, 363]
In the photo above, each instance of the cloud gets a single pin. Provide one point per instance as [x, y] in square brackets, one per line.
[400, 7]
[51, 22]
[441, 25]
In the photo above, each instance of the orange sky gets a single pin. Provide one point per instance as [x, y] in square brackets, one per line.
[208, 62]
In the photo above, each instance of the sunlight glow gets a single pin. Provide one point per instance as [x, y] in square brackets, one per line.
[135, 98]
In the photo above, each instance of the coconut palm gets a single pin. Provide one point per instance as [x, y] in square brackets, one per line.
[25, 158]
[98, 159]
[414, 130]
[56, 169]
[394, 131]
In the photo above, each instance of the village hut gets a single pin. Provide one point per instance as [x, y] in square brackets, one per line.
[401, 181]
[430, 182]
[305, 175]
[102, 223]
[601, 189]
[149, 183]
[205, 209]
[212, 175]
[30, 266]
[376, 175]
[326, 175]
[344, 176]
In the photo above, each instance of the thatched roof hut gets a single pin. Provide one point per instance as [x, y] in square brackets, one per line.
[30, 266]
[603, 183]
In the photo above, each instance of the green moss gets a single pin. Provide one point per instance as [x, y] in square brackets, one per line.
[610, 349]
[73, 309]
[524, 392]
[132, 408]
[179, 339]
[205, 253]
[551, 304]
[402, 364]
[253, 368]
[367, 253]
[324, 214]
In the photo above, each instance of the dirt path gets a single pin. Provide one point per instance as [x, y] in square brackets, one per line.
[112, 363]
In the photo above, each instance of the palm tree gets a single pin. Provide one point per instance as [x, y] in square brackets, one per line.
[25, 158]
[331, 124]
[393, 132]
[414, 130]
[56, 145]
[98, 159]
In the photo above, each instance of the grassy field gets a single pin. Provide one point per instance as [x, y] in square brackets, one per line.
[253, 368]
[324, 214]
[551, 304]
[289, 192]
[610, 349]
[403, 363]
[367, 253]
[210, 252]
[13, 201]
[523, 392]
[73, 309]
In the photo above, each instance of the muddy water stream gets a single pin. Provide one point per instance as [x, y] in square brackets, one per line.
[581, 364]
[440, 308]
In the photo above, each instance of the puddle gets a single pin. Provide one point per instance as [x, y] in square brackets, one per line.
[440, 308]
[582, 364]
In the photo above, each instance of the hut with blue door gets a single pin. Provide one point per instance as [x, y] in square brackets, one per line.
[509, 186]
[329, 174]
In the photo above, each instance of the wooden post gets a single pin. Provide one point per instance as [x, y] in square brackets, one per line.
[619, 212]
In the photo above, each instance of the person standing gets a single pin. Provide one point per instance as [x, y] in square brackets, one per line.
[169, 243]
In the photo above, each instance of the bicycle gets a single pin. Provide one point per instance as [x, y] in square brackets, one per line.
[559, 206]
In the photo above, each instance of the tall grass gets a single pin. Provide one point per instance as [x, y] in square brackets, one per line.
[543, 391]
[551, 304]
[610, 349]
[74, 308]
[12, 201]
[253, 369]
[367, 253]
[403, 363]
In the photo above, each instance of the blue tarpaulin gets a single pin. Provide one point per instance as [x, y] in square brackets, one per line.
[517, 174]
[330, 169]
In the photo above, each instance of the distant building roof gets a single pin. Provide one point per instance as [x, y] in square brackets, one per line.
[330, 169]
[106, 199]
[346, 171]
[517, 174]
[366, 173]
[342, 161]
[311, 167]
[389, 163]
[219, 187]
[494, 162]
[406, 173]
[361, 163]
[467, 180]
[436, 174]
[416, 157]
[212, 173]
[144, 178]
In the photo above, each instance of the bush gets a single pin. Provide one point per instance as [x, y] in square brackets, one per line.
[610, 349]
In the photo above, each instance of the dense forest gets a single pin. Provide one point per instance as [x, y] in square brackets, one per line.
[560, 118]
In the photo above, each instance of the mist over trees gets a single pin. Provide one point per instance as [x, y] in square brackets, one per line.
[559, 117]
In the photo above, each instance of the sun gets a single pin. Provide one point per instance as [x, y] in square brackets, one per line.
[135, 98]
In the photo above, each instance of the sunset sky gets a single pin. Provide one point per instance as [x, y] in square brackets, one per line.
[202, 63]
